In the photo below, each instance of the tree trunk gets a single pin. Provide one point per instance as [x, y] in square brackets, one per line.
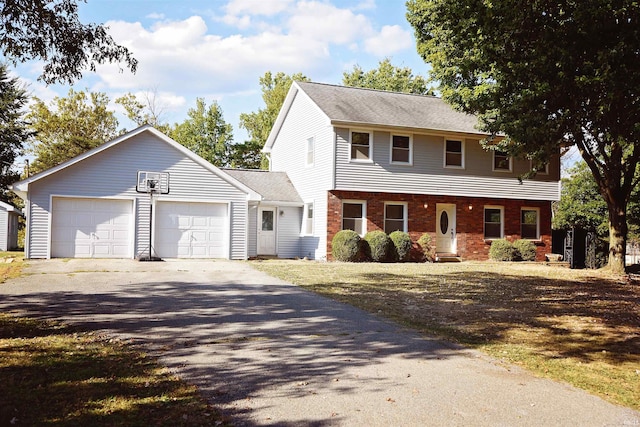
[617, 238]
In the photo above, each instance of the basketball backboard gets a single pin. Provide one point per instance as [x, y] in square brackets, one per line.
[153, 182]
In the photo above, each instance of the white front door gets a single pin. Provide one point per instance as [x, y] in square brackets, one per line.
[446, 228]
[267, 231]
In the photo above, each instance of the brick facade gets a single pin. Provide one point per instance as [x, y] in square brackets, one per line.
[471, 244]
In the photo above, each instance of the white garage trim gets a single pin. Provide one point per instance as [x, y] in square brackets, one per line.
[115, 227]
[185, 228]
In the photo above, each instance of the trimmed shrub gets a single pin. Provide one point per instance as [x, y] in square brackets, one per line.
[502, 250]
[346, 246]
[526, 250]
[379, 246]
[428, 251]
[401, 245]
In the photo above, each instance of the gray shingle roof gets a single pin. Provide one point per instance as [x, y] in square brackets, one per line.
[272, 186]
[376, 107]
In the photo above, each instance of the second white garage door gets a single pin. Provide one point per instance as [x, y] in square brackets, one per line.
[191, 230]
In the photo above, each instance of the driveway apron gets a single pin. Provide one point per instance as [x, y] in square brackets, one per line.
[270, 353]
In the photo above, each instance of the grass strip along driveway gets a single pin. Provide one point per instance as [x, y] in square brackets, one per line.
[577, 326]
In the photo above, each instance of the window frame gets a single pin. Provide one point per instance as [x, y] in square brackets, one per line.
[310, 151]
[306, 220]
[537, 211]
[351, 145]
[540, 172]
[405, 215]
[363, 231]
[484, 222]
[409, 162]
[462, 154]
[502, 154]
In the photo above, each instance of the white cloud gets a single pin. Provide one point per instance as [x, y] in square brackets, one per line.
[253, 7]
[391, 39]
[325, 22]
[155, 15]
[366, 5]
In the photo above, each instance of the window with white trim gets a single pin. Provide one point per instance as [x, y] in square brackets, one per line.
[541, 169]
[361, 145]
[307, 219]
[401, 149]
[493, 222]
[395, 217]
[354, 214]
[454, 154]
[501, 161]
[530, 223]
[310, 151]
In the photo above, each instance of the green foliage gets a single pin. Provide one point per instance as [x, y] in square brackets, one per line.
[145, 110]
[13, 129]
[502, 250]
[402, 245]
[346, 246]
[51, 31]
[206, 133]
[69, 127]
[541, 73]
[379, 246]
[387, 77]
[426, 245]
[258, 124]
[525, 250]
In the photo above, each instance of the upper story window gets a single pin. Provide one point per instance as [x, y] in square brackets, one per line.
[529, 223]
[454, 154]
[361, 146]
[307, 220]
[395, 217]
[501, 161]
[401, 149]
[541, 169]
[354, 214]
[310, 146]
[493, 222]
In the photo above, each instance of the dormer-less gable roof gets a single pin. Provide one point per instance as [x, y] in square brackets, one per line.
[22, 187]
[274, 187]
[349, 106]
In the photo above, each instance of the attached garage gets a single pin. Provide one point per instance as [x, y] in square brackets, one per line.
[91, 228]
[191, 230]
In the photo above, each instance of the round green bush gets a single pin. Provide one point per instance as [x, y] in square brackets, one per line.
[502, 250]
[379, 246]
[428, 251]
[526, 250]
[402, 245]
[346, 246]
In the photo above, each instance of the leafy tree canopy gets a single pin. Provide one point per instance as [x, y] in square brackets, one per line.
[258, 124]
[387, 77]
[69, 127]
[549, 75]
[51, 31]
[13, 129]
[145, 110]
[206, 133]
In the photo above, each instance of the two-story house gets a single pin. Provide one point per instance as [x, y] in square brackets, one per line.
[367, 160]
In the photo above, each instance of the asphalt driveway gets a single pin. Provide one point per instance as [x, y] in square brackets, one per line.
[271, 353]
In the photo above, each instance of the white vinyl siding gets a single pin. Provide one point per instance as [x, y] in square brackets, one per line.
[4, 230]
[112, 174]
[428, 176]
[304, 118]
[288, 238]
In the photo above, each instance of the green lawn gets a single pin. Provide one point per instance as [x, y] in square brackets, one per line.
[578, 326]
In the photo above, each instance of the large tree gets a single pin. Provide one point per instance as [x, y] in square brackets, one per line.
[69, 127]
[206, 133]
[548, 75]
[14, 129]
[258, 124]
[387, 77]
[50, 31]
[145, 109]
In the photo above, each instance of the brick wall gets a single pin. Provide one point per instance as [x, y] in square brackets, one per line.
[471, 244]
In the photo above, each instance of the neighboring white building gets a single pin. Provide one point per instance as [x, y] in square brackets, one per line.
[8, 227]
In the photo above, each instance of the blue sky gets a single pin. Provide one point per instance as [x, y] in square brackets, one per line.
[218, 50]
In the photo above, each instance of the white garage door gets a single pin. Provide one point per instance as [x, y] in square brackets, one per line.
[191, 230]
[91, 228]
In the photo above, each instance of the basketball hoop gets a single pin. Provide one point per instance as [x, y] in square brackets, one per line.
[151, 183]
